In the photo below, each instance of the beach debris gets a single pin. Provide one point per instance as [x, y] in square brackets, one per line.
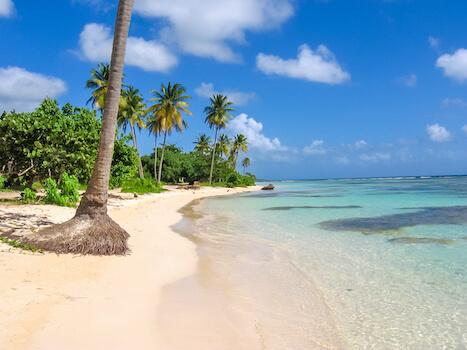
[268, 187]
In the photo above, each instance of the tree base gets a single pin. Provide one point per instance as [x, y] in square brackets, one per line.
[96, 235]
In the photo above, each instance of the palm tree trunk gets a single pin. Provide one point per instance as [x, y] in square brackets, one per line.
[92, 231]
[213, 155]
[155, 158]
[135, 144]
[162, 158]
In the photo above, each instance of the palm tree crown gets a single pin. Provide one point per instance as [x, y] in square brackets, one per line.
[223, 145]
[240, 144]
[132, 113]
[218, 117]
[170, 102]
[99, 82]
[202, 143]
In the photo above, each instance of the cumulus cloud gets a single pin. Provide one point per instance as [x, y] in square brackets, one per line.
[96, 45]
[23, 91]
[434, 43]
[316, 147]
[252, 129]
[454, 102]
[408, 80]
[237, 97]
[455, 66]
[318, 66]
[341, 160]
[438, 133]
[203, 27]
[376, 157]
[6, 8]
[360, 144]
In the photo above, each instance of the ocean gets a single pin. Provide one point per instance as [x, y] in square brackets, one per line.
[342, 264]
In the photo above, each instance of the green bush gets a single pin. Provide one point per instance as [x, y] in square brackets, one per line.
[141, 186]
[37, 186]
[68, 196]
[2, 181]
[29, 196]
[233, 179]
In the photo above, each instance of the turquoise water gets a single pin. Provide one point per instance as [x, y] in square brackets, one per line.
[357, 264]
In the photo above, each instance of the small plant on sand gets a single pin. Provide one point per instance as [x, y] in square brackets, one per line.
[2, 181]
[67, 197]
[29, 196]
[16, 244]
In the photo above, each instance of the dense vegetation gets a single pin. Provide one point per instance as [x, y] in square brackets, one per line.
[53, 144]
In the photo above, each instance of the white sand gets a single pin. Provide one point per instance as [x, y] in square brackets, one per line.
[86, 302]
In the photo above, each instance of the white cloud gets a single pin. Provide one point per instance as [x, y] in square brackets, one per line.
[203, 27]
[360, 144]
[455, 66]
[23, 91]
[318, 66]
[341, 160]
[454, 102]
[434, 43]
[237, 97]
[376, 157]
[6, 8]
[408, 80]
[464, 128]
[249, 127]
[316, 147]
[438, 133]
[96, 45]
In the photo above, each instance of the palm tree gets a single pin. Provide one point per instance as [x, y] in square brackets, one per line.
[240, 144]
[154, 127]
[99, 82]
[223, 145]
[169, 103]
[133, 113]
[202, 143]
[218, 117]
[91, 230]
[245, 163]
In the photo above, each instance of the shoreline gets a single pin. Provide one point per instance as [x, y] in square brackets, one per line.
[49, 301]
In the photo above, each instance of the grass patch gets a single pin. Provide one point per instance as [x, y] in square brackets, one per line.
[16, 244]
[141, 186]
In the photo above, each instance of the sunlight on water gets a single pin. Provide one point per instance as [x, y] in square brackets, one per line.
[386, 257]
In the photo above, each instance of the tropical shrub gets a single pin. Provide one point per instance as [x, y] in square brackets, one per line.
[141, 186]
[67, 197]
[2, 181]
[29, 195]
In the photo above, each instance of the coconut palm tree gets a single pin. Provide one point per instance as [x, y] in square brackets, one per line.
[91, 230]
[132, 114]
[170, 101]
[223, 145]
[245, 163]
[217, 117]
[99, 82]
[154, 126]
[202, 143]
[240, 144]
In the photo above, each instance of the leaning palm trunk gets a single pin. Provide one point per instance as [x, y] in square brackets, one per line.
[213, 155]
[155, 158]
[135, 144]
[92, 231]
[162, 159]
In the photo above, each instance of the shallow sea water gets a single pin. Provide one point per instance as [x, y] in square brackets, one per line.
[343, 264]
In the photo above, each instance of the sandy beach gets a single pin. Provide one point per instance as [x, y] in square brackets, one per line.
[52, 301]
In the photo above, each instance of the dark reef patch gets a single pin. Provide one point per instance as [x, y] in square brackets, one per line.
[456, 215]
[314, 207]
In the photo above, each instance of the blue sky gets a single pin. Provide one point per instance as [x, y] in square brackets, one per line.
[322, 89]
